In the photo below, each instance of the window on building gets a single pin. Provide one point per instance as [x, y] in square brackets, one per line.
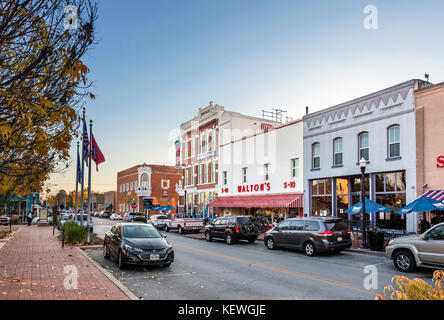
[186, 150]
[213, 172]
[225, 177]
[186, 177]
[214, 139]
[244, 175]
[316, 155]
[294, 168]
[363, 146]
[337, 151]
[394, 146]
[200, 144]
[321, 199]
[267, 171]
[192, 176]
[205, 168]
[192, 147]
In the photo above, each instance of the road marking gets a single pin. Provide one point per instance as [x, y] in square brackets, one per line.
[278, 269]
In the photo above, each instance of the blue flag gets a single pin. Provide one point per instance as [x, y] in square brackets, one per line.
[85, 142]
[79, 169]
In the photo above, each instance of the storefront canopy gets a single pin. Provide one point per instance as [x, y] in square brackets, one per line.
[437, 195]
[422, 204]
[370, 207]
[294, 200]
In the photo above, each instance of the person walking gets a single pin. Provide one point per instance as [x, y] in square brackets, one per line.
[425, 225]
[29, 218]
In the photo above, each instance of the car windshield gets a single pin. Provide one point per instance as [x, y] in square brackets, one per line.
[137, 232]
[161, 217]
[84, 217]
[335, 225]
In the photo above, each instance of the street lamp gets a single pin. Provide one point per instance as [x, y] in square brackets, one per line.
[362, 165]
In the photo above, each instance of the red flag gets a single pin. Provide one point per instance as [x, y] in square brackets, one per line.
[97, 155]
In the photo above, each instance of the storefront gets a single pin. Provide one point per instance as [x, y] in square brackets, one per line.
[378, 128]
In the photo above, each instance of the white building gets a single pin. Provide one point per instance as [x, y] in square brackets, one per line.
[262, 173]
[379, 127]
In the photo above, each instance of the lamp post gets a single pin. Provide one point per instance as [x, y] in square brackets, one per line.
[362, 165]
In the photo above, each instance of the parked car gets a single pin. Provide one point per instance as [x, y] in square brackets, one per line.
[184, 223]
[159, 221]
[115, 216]
[4, 221]
[104, 215]
[130, 216]
[425, 250]
[84, 221]
[96, 214]
[232, 229]
[64, 219]
[137, 244]
[312, 235]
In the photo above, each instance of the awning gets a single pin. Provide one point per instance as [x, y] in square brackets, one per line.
[294, 200]
[437, 195]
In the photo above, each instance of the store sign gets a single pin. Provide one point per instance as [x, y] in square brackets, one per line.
[206, 155]
[440, 162]
[289, 185]
[254, 187]
[224, 190]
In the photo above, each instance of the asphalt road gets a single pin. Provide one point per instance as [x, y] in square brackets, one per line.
[214, 270]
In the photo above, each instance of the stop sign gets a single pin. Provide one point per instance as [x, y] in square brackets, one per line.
[134, 205]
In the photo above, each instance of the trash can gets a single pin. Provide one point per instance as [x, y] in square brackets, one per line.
[380, 241]
[371, 236]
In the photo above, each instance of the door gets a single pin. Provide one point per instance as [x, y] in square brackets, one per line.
[296, 234]
[115, 243]
[213, 228]
[432, 247]
[281, 233]
[220, 228]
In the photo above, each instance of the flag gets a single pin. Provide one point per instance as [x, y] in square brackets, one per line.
[96, 154]
[79, 169]
[85, 142]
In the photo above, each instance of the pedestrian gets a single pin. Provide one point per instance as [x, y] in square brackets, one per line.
[274, 223]
[29, 218]
[425, 225]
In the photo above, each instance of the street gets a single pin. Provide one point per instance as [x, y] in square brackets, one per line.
[214, 270]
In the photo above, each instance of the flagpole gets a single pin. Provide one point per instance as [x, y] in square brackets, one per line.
[77, 178]
[89, 180]
[83, 171]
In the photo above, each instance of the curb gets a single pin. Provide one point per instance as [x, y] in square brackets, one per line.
[124, 289]
[370, 253]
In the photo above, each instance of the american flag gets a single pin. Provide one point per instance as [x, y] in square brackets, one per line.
[85, 142]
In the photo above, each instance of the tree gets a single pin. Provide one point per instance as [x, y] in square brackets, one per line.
[43, 85]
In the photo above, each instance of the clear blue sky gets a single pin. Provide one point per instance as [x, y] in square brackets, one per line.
[158, 61]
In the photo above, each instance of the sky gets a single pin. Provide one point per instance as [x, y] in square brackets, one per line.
[157, 61]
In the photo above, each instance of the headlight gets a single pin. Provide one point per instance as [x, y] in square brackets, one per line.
[131, 249]
[169, 249]
[390, 243]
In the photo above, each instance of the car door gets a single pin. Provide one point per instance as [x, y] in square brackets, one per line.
[280, 236]
[432, 246]
[115, 239]
[295, 235]
[221, 228]
[213, 228]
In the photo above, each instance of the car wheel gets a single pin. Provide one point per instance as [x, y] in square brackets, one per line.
[228, 238]
[121, 261]
[309, 249]
[270, 243]
[208, 236]
[180, 230]
[105, 252]
[404, 261]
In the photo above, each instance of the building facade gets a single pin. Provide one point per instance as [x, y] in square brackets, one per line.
[262, 173]
[110, 201]
[379, 127]
[429, 103]
[147, 181]
[201, 137]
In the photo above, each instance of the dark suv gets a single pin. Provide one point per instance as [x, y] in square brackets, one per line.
[232, 229]
[312, 235]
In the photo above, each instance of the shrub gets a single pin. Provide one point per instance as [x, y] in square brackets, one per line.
[74, 233]
[414, 289]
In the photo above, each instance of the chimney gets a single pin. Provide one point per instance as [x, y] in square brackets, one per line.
[306, 110]
[211, 104]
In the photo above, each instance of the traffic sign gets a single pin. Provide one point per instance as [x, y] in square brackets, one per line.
[134, 205]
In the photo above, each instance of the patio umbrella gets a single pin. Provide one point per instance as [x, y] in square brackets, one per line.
[422, 204]
[370, 207]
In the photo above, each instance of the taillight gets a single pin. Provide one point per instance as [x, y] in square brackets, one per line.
[348, 230]
[325, 233]
[237, 229]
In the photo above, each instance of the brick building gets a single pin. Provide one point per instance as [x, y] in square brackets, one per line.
[153, 181]
[201, 137]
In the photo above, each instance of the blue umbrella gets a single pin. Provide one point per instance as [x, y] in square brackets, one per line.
[422, 204]
[370, 207]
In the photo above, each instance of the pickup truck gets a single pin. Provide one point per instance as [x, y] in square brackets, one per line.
[183, 223]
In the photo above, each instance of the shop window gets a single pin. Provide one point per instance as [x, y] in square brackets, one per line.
[390, 180]
[244, 175]
[363, 146]
[316, 155]
[337, 152]
[394, 140]
[295, 168]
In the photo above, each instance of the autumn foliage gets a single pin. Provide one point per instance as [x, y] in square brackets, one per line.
[43, 85]
[403, 288]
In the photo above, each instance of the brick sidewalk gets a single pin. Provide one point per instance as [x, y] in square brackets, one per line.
[32, 268]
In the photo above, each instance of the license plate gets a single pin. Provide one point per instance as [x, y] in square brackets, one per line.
[154, 257]
[339, 238]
